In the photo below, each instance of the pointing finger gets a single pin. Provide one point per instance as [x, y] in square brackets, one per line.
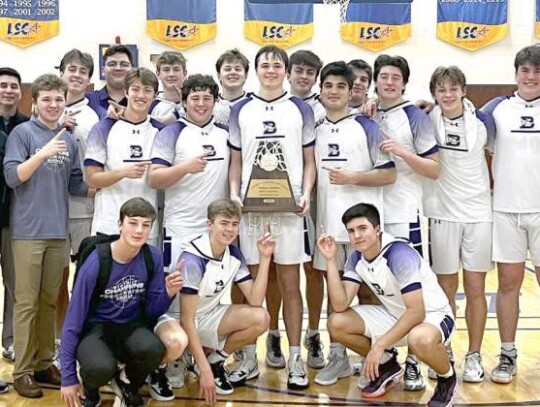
[58, 135]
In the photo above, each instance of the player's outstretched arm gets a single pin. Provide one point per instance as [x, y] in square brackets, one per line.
[341, 294]
[161, 176]
[97, 177]
[255, 290]
[207, 387]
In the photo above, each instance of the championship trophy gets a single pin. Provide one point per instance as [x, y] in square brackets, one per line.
[269, 188]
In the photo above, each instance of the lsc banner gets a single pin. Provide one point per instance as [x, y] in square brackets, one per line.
[537, 30]
[472, 25]
[27, 22]
[284, 25]
[181, 24]
[376, 26]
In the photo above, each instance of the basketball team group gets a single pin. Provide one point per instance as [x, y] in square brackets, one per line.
[188, 206]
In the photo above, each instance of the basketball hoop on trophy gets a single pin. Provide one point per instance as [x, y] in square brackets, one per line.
[269, 188]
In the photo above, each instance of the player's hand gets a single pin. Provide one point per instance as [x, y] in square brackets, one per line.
[115, 111]
[372, 362]
[369, 108]
[390, 145]
[198, 163]
[207, 387]
[69, 121]
[266, 244]
[54, 146]
[327, 245]
[236, 199]
[135, 170]
[72, 395]
[338, 176]
[304, 203]
[425, 105]
[174, 281]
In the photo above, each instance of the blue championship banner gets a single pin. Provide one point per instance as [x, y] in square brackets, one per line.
[537, 30]
[181, 24]
[27, 22]
[284, 25]
[376, 26]
[472, 25]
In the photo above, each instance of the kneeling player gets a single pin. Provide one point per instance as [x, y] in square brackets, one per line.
[413, 308]
[211, 265]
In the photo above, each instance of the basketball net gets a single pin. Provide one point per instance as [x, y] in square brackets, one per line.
[343, 4]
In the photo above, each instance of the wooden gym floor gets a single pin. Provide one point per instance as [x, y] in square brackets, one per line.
[270, 388]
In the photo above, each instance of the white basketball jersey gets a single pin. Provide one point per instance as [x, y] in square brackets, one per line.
[351, 143]
[111, 145]
[222, 109]
[315, 103]
[398, 269]
[284, 126]
[82, 207]
[186, 201]
[210, 278]
[462, 191]
[516, 169]
[163, 107]
[413, 130]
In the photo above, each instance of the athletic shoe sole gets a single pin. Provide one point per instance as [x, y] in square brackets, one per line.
[280, 365]
[296, 386]
[224, 392]
[349, 372]
[473, 379]
[385, 386]
[502, 381]
[251, 375]
[158, 397]
[414, 387]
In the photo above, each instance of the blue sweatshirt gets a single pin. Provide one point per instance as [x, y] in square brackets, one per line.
[121, 302]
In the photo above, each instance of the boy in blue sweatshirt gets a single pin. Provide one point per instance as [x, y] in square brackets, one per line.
[116, 328]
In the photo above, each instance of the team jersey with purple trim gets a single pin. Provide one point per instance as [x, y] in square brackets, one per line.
[111, 145]
[315, 103]
[462, 192]
[208, 277]
[163, 107]
[82, 207]
[516, 169]
[186, 201]
[398, 269]
[222, 108]
[413, 130]
[351, 143]
[286, 123]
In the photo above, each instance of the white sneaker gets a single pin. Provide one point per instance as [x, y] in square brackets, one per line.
[274, 356]
[313, 344]
[297, 379]
[246, 369]
[413, 379]
[176, 372]
[238, 355]
[338, 367]
[473, 372]
[505, 371]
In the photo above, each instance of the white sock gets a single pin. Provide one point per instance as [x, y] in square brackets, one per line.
[293, 350]
[509, 349]
[217, 356]
[387, 355]
[274, 332]
[312, 332]
[250, 351]
[448, 374]
[337, 348]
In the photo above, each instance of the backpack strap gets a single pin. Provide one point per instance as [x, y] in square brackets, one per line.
[105, 265]
[148, 261]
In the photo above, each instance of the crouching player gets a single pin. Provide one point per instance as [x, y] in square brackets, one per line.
[211, 265]
[103, 327]
[413, 310]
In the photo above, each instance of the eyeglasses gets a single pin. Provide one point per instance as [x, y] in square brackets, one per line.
[114, 64]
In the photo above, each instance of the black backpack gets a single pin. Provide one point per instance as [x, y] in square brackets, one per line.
[102, 243]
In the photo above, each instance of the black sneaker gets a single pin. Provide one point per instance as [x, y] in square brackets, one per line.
[159, 387]
[4, 387]
[390, 373]
[129, 397]
[92, 398]
[444, 392]
[223, 386]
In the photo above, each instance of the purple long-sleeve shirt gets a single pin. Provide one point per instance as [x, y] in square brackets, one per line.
[120, 302]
